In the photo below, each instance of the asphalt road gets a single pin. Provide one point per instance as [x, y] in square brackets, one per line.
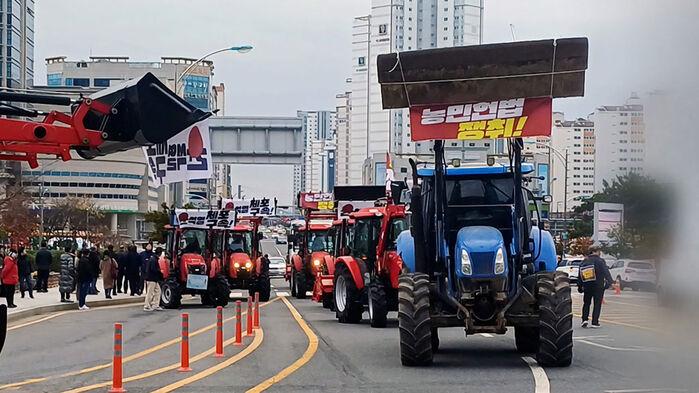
[314, 353]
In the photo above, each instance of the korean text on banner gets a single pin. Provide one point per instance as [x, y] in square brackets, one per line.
[514, 118]
[250, 207]
[204, 219]
[317, 200]
[186, 156]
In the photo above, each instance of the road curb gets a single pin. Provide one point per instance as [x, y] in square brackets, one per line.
[40, 310]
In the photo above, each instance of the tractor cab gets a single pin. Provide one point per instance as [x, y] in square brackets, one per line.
[341, 234]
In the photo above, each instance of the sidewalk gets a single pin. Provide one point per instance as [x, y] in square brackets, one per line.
[51, 302]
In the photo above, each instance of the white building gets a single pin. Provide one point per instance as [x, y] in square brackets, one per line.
[318, 137]
[620, 137]
[342, 157]
[399, 25]
[572, 141]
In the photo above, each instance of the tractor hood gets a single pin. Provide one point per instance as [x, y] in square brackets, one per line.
[240, 258]
[317, 259]
[479, 246]
[193, 259]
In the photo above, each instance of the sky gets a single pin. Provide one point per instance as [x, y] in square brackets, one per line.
[302, 48]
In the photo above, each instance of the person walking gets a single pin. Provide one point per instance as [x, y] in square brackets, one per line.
[122, 281]
[133, 270]
[109, 269]
[25, 273]
[152, 279]
[95, 261]
[84, 278]
[66, 281]
[9, 278]
[593, 279]
[43, 266]
[115, 273]
[145, 255]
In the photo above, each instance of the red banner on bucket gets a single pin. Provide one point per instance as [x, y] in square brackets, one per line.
[513, 118]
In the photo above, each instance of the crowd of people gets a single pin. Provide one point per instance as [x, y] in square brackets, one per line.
[125, 271]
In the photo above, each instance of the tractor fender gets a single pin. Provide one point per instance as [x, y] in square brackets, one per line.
[394, 265]
[297, 262]
[215, 267]
[406, 250]
[260, 265]
[546, 257]
[329, 261]
[354, 269]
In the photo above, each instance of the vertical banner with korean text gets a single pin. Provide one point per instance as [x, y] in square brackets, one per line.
[186, 156]
[514, 118]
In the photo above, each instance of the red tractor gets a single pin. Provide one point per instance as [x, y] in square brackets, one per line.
[368, 273]
[246, 267]
[323, 285]
[194, 267]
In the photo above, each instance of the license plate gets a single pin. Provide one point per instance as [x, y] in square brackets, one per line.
[197, 281]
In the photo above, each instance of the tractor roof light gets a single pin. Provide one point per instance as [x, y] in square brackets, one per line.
[465, 263]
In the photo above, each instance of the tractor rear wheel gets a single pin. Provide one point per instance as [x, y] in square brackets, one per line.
[527, 339]
[171, 294]
[348, 309]
[300, 284]
[435, 340]
[414, 320]
[221, 292]
[378, 307]
[263, 287]
[555, 320]
[328, 301]
[292, 282]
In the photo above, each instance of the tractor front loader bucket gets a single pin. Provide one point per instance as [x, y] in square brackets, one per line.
[143, 112]
[545, 68]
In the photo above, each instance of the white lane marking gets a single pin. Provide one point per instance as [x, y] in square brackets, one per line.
[280, 293]
[630, 349]
[541, 381]
[279, 251]
[645, 390]
[589, 337]
[487, 335]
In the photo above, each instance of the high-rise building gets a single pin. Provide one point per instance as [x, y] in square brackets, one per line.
[620, 141]
[572, 141]
[17, 33]
[342, 158]
[318, 137]
[403, 25]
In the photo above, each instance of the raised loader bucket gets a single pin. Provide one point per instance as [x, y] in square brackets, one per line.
[546, 68]
[145, 112]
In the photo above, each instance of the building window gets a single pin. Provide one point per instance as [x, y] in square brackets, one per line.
[54, 79]
[101, 82]
[361, 61]
[84, 82]
[383, 28]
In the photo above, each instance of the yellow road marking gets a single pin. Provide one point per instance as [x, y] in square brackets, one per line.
[259, 336]
[129, 358]
[58, 314]
[300, 362]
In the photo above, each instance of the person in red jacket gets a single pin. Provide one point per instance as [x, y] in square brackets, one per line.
[10, 278]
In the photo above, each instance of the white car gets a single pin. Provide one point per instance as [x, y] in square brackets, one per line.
[571, 266]
[635, 274]
[277, 266]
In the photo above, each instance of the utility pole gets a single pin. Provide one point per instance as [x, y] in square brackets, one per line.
[565, 204]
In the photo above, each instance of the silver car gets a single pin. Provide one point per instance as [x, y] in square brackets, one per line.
[277, 266]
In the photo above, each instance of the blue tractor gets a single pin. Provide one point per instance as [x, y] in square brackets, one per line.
[473, 257]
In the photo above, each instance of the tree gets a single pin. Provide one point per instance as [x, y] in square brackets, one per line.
[159, 218]
[17, 221]
[75, 217]
[580, 246]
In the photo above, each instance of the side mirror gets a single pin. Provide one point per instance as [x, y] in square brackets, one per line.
[547, 199]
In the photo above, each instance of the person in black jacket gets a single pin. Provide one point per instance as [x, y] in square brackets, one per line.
[121, 277]
[152, 278]
[593, 279]
[133, 270]
[25, 273]
[84, 278]
[43, 266]
[95, 269]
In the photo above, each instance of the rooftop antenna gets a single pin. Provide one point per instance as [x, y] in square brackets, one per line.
[512, 30]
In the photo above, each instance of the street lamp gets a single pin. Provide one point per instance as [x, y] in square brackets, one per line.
[239, 49]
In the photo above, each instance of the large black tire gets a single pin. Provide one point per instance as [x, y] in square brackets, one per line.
[292, 282]
[435, 340]
[555, 320]
[263, 287]
[348, 308]
[527, 339]
[414, 320]
[378, 306]
[300, 282]
[328, 301]
[170, 294]
[221, 292]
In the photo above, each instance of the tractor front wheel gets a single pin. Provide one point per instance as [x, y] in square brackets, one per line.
[171, 294]
[328, 301]
[221, 292]
[555, 320]
[378, 307]
[300, 285]
[527, 339]
[348, 309]
[292, 282]
[414, 320]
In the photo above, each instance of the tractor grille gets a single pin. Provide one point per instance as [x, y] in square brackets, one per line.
[482, 263]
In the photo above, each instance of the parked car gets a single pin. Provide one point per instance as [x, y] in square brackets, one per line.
[280, 240]
[635, 274]
[277, 266]
[570, 266]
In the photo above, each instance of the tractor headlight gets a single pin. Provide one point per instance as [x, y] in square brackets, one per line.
[499, 262]
[236, 265]
[465, 263]
[248, 265]
[316, 262]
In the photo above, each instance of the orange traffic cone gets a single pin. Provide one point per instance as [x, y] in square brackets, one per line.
[617, 287]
